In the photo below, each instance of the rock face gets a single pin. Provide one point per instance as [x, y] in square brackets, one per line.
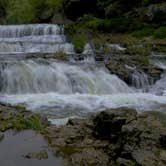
[112, 137]
[125, 65]
[154, 12]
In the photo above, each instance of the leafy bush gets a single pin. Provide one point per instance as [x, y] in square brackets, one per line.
[160, 33]
[79, 42]
[143, 32]
[18, 14]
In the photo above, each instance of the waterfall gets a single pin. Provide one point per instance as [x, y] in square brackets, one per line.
[45, 38]
[41, 76]
[160, 61]
[17, 31]
[140, 80]
[66, 89]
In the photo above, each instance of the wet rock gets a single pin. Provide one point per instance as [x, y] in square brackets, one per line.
[124, 66]
[90, 157]
[163, 141]
[1, 136]
[37, 155]
[163, 157]
[124, 162]
[112, 137]
[17, 117]
[107, 126]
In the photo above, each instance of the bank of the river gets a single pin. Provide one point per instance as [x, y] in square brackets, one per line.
[112, 137]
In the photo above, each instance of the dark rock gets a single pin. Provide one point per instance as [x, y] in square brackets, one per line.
[1, 136]
[107, 126]
[124, 162]
[163, 141]
[112, 137]
[124, 66]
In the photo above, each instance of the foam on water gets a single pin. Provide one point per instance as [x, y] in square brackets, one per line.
[61, 106]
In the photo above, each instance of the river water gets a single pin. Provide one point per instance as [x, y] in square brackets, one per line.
[64, 89]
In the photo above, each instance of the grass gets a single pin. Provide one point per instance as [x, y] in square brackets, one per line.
[18, 118]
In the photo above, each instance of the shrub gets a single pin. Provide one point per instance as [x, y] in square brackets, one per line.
[79, 41]
[143, 32]
[18, 14]
[160, 33]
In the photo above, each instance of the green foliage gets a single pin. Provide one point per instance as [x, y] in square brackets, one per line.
[18, 14]
[79, 41]
[160, 33]
[119, 16]
[143, 32]
[55, 4]
[32, 122]
[140, 50]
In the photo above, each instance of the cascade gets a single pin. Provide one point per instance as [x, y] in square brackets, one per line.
[44, 38]
[140, 80]
[160, 61]
[64, 89]
[41, 76]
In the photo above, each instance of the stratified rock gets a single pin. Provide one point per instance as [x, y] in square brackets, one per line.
[124, 66]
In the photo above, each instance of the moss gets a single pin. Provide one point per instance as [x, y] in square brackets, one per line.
[17, 117]
[140, 50]
[145, 61]
[161, 48]
[143, 32]
[60, 56]
[31, 122]
[160, 33]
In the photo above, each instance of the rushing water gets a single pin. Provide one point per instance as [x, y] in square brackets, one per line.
[33, 38]
[59, 89]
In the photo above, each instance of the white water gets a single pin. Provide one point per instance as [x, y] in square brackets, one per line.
[62, 90]
[140, 80]
[42, 76]
[160, 61]
[45, 38]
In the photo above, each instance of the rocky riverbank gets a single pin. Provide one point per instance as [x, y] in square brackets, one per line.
[112, 137]
[125, 66]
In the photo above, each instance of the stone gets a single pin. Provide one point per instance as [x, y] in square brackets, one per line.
[124, 162]
[1, 136]
[37, 155]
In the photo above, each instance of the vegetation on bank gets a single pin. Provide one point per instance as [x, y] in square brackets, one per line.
[17, 117]
[139, 20]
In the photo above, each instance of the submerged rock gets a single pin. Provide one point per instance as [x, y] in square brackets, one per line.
[37, 155]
